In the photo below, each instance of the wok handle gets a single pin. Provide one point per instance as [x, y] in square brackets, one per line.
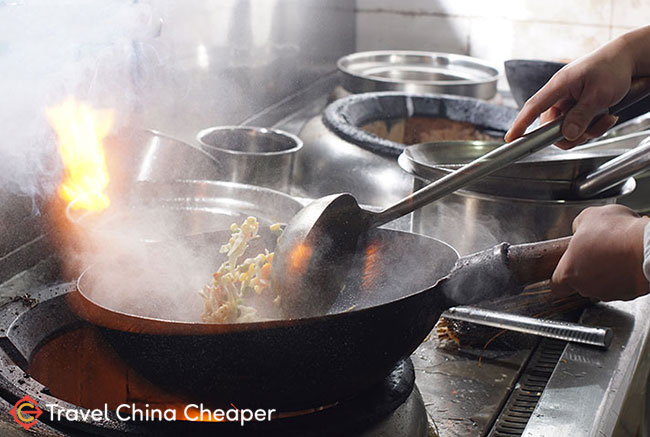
[533, 262]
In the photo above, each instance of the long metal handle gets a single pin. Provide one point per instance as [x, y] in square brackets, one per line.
[537, 139]
[612, 172]
[573, 332]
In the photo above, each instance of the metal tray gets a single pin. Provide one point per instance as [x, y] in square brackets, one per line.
[418, 72]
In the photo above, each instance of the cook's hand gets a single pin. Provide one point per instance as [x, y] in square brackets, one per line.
[580, 90]
[587, 86]
[604, 259]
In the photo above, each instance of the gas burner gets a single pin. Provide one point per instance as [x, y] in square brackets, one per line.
[65, 364]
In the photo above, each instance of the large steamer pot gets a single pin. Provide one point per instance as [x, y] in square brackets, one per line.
[471, 221]
[339, 155]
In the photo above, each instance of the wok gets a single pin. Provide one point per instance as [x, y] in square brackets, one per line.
[399, 285]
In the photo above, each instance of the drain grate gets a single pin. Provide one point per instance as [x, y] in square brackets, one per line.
[522, 401]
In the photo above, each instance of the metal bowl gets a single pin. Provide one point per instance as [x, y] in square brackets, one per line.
[418, 72]
[527, 76]
[252, 155]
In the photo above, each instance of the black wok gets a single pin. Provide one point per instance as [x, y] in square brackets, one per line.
[301, 363]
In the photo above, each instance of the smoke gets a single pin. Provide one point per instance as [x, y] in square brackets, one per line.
[92, 50]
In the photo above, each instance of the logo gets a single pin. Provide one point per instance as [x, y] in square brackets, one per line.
[26, 412]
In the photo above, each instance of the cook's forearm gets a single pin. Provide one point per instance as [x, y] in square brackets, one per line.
[637, 45]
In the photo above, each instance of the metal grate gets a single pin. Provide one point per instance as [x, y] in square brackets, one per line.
[522, 401]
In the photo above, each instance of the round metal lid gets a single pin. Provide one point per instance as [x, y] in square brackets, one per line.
[418, 71]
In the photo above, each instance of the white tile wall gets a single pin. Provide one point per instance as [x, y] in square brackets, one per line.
[574, 11]
[413, 32]
[497, 30]
[617, 31]
[630, 13]
[497, 39]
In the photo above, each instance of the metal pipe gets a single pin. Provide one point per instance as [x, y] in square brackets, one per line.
[573, 332]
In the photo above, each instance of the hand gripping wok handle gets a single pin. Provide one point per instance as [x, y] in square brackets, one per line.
[500, 157]
[534, 262]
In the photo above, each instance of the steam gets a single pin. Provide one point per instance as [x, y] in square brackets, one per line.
[105, 54]
[52, 50]
[141, 263]
[101, 53]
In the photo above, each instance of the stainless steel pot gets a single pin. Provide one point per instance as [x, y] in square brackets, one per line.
[252, 155]
[472, 221]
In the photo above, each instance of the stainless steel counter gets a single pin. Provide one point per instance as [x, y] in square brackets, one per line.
[595, 392]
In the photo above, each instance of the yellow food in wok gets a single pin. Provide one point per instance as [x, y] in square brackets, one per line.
[237, 281]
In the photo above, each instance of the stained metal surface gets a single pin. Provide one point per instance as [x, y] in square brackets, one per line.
[462, 394]
[632, 126]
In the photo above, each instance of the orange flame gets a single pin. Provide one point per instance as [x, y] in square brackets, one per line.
[371, 268]
[299, 257]
[81, 130]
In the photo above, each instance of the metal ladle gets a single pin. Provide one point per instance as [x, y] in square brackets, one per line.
[315, 251]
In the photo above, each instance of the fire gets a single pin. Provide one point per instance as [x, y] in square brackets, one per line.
[371, 268]
[81, 130]
[299, 257]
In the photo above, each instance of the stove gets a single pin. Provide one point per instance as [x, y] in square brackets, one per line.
[519, 386]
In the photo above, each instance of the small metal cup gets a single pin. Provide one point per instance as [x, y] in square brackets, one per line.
[252, 155]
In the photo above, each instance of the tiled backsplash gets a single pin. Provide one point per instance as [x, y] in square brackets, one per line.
[497, 30]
